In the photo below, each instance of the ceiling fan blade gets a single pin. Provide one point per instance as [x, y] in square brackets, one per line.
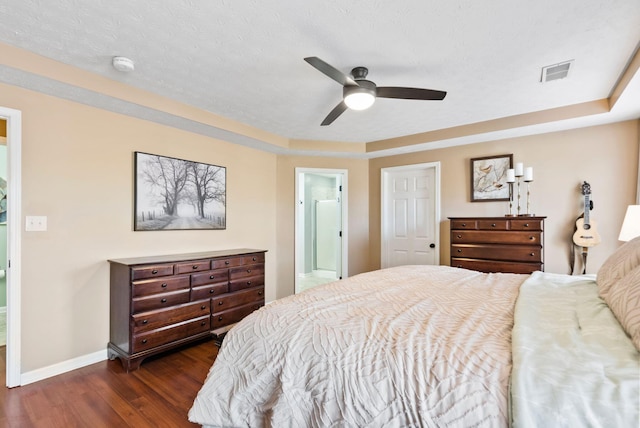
[410, 93]
[330, 71]
[333, 114]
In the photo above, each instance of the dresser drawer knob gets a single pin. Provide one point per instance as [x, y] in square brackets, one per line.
[144, 340]
[526, 225]
[163, 301]
[464, 224]
[259, 293]
[248, 270]
[459, 250]
[145, 321]
[194, 267]
[220, 303]
[248, 282]
[203, 322]
[164, 285]
[254, 259]
[203, 307]
[459, 266]
[532, 254]
[212, 276]
[532, 238]
[226, 262]
[459, 236]
[212, 291]
[219, 318]
[493, 225]
[155, 271]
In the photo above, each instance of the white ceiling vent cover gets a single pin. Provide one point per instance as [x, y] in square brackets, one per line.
[556, 71]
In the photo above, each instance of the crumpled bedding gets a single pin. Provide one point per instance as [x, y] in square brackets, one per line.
[410, 346]
[573, 364]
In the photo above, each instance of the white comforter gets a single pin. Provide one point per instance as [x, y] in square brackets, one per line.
[573, 364]
[409, 346]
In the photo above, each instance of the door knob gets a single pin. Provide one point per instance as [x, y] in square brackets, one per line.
[432, 245]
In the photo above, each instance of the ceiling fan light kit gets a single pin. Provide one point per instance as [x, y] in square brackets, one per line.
[359, 97]
[358, 93]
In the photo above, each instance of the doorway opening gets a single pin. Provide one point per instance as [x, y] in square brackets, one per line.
[320, 227]
[410, 215]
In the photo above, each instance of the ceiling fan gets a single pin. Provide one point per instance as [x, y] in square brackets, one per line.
[358, 93]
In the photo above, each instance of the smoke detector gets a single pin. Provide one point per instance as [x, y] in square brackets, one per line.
[123, 64]
[556, 71]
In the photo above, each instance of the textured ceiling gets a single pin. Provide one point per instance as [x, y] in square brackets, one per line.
[243, 59]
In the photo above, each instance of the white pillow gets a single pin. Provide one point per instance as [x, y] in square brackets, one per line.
[621, 262]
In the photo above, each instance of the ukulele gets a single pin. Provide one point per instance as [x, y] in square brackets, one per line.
[586, 234]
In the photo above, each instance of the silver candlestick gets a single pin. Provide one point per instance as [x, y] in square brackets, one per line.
[528, 199]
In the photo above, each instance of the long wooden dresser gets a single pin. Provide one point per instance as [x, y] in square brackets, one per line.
[498, 244]
[161, 302]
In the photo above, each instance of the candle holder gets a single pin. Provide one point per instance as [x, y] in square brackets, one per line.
[528, 214]
[518, 178]
[510, 212]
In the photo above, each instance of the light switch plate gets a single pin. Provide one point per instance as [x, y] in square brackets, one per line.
[35, 223]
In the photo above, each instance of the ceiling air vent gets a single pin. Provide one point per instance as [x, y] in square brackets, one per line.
[556, 71]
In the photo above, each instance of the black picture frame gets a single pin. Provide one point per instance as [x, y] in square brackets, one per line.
[178, 194]
[489, 178]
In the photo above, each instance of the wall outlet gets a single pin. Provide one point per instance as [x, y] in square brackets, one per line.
[35, 223]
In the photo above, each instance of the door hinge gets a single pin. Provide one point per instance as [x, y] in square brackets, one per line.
[340, 234]
[340, 188]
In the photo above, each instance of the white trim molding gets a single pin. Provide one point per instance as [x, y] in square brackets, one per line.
[63, 367]
[14, 213]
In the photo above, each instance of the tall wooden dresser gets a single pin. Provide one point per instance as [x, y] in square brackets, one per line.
[498, 244]
[161, 302]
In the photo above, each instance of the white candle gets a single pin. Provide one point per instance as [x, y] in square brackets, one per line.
[511, 176]
[528, 174]
[519, 169]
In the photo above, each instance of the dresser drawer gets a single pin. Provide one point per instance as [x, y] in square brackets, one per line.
[498, 252]
[226, 262]
[245, 271]
[238, 298]
[161, 300]
[209, 290]
[496, 266]
[497, 237]
[144, 272]
[247, 282]
[152, 320]
[152, 339]
[464, 224]
[234, 315]
[163, 285]
[493, 224]
[526, 224]
[251, 259]
[210, 277]
[193, 266]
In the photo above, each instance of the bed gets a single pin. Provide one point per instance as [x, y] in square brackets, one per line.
[436, 346]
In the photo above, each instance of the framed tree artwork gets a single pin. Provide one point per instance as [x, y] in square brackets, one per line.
[489, 178]
[177, 194]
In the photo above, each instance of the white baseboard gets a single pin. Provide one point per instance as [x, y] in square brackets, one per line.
[63, 367]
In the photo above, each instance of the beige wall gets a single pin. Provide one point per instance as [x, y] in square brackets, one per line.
[358, 207]
[78, 171]
[605, 156]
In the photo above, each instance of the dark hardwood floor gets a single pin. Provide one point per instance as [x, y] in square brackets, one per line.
[159, 394]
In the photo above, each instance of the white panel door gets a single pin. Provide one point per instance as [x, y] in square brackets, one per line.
[409, 215]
